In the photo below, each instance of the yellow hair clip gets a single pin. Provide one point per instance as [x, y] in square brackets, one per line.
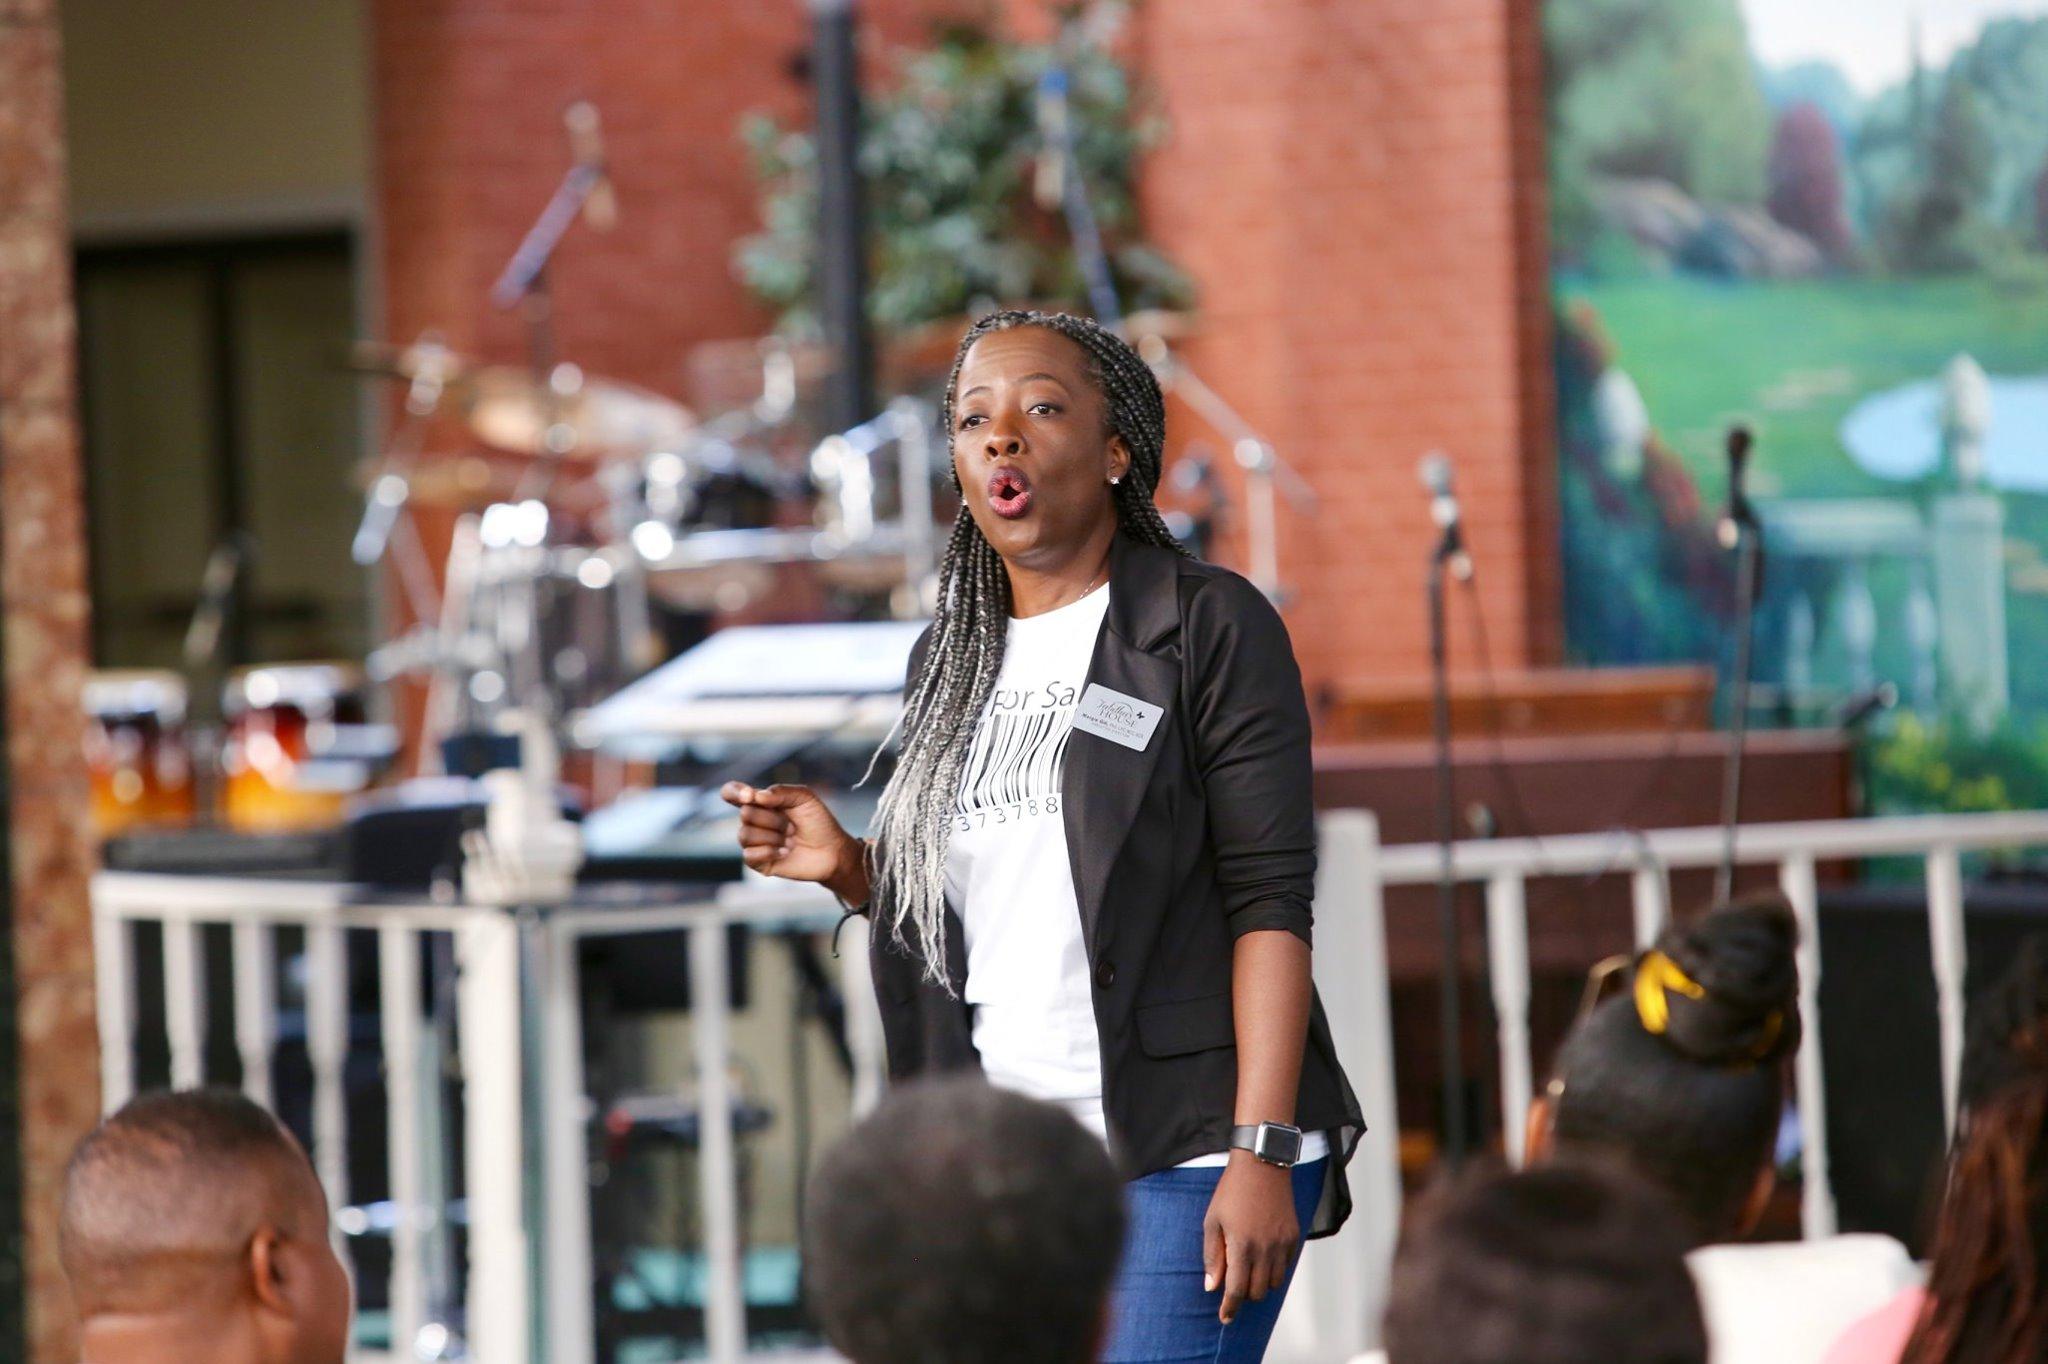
[1656, 975]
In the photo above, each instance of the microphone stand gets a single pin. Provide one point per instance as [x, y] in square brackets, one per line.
[523, 284]
[1075, 204]
[1741, 532]
[1448, 556]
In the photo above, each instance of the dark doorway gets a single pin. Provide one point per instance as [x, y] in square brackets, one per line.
[216, 406]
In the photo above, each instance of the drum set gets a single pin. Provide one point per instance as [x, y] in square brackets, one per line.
[293, 744]
[584, 530]
[628, 514]
[592, 527]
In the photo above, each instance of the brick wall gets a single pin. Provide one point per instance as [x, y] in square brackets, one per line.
[1354, 183]
[468, 144]
[1356, 186]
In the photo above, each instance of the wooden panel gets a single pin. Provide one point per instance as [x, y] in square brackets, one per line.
[1548, 701]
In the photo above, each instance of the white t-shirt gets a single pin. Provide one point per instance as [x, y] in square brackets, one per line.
[1786, 1302]
[1009, 878]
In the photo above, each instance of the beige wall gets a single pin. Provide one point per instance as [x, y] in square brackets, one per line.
[214, 113]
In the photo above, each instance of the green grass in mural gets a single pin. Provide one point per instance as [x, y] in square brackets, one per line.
[1794, 357]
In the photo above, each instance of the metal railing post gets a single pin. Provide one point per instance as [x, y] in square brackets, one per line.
[255, 958]
[725, 1309]
[1950, 953]
[185, 1003]
[1817, 1194]
[398, 995]
[1507, 946]
[114, 990]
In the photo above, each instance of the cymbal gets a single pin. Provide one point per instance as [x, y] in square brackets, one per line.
[467, 483]
[571, 416]
[568, 415]
[422, 359]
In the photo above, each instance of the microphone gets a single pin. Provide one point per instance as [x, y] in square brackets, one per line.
[1049, 170]
[1739, 513]
[1435, 472]
[586, 144]
[1865, 704]
[216, 597]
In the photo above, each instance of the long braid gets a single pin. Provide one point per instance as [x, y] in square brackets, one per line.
[945, 699]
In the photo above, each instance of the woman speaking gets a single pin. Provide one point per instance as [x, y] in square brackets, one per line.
[1092, 870]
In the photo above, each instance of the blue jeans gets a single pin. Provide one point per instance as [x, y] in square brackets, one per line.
[1158, 1311]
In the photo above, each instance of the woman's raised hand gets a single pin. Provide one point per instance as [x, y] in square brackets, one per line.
[788, 831]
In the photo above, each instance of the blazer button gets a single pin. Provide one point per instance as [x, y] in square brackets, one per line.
[1105, 974]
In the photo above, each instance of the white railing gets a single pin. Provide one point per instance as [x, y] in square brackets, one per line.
[517, 979]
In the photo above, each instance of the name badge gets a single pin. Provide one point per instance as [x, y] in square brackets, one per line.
[1121, 719]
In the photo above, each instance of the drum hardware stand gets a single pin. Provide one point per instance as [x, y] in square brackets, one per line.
[638, 644]
[1195, 473]
[465, 552]
[212, 642]
[842, 467]
[385, 526]
[584, 191]
[1267, 475]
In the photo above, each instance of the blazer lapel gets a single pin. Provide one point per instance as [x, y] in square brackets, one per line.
[1104, 781]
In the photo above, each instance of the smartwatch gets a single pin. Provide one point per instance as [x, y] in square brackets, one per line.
[1276, 1143]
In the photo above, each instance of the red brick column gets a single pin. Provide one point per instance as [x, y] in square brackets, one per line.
[43, 593]
[1357, 189]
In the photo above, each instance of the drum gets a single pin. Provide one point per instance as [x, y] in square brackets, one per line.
[297, 746]
[137, 755]
[725, 492]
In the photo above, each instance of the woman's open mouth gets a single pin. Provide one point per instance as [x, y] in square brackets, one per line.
[1009, 493]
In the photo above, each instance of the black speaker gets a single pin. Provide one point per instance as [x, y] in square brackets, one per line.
[1881, 1039]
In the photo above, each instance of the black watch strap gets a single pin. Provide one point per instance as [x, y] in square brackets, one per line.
[1275, 1143]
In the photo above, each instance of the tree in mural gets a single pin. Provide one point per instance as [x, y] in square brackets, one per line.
[1806, 180]
[1936, 227]
[1657, 89]
[2041, 207]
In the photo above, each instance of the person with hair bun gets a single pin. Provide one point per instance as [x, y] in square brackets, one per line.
[1683, 1075]
[1093, 868]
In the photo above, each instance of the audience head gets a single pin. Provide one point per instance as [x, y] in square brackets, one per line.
[1985, 1290]
[1559, 1265]
[965, 1224]
[1683, 1074]
[195, 1217]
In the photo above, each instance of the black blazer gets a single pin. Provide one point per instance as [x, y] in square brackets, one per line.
[1207, 834]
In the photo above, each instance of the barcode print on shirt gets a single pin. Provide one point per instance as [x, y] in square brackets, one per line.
[1016, 758]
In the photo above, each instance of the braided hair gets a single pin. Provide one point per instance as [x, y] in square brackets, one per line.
[964, 653]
